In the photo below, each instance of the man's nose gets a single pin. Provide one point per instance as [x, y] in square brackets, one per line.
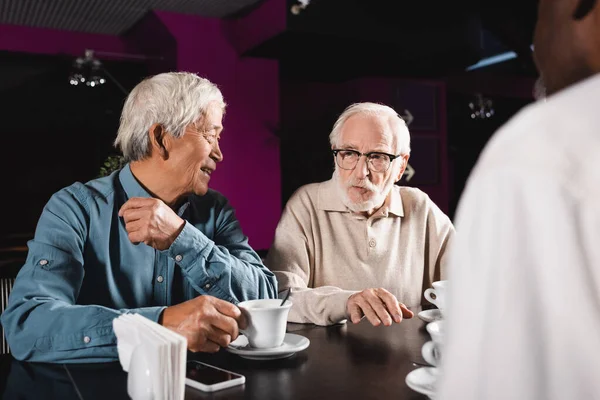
[216, 153]
[361, 171]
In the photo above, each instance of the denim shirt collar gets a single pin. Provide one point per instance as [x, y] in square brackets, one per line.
[134, 189]
[131, 185]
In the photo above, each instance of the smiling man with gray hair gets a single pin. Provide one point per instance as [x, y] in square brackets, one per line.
[149, 239]
[358, 245]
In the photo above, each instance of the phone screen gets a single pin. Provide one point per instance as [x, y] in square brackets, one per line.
[207, 374]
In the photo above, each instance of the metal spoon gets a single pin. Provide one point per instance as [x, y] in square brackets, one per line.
[289, 291]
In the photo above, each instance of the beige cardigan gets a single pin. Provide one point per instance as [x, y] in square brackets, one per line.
[325, 253]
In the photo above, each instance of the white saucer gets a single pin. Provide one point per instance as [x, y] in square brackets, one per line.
[422, 380]
[430, 315]
[292, 343]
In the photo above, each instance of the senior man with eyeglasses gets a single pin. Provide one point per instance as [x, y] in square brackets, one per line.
[151, 239]
[358, 245]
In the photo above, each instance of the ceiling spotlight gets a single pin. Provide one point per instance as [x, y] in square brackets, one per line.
[299, 6]
[87, 70]
[481, 107]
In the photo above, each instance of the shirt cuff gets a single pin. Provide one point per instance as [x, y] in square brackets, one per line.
[338, 303]
[152, 313]
[189, 244]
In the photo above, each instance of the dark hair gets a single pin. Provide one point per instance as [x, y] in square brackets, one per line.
[583, 9]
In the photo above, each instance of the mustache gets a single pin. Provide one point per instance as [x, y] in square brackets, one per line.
[361, 183]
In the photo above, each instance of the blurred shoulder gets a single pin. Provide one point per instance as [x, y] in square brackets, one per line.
[554, 138]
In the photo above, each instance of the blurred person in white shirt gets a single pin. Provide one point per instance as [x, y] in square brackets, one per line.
[523, 313]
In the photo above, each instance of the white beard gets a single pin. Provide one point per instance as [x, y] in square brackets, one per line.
[375, 202]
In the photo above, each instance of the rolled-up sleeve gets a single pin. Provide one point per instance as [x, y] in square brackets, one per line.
[42, 321]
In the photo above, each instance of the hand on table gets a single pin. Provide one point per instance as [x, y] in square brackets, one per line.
[378, 305]
[151, 221]
[206, 322]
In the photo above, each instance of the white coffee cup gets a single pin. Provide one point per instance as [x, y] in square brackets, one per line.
[267, 321]
[142, 381]
[431, 353]
[437, 295]
[432, 350]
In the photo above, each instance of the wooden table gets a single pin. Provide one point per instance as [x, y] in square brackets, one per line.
[342, 362]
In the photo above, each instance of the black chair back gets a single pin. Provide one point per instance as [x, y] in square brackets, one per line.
[8, 272]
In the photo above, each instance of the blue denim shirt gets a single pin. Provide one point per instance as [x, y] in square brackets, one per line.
[82, 271]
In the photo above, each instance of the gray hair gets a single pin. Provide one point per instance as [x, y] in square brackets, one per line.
[174, 100]
[400, 130]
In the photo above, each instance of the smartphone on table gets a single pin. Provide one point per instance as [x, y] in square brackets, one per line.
[209, 379]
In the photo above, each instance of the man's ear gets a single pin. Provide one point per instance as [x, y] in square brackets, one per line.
[160, 140]
[404, 160]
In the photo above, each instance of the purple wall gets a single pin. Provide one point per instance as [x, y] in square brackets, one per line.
[50, 41]
[249, 176]
[163, 45]
[264, 23]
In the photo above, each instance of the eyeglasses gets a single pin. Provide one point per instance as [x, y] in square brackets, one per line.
[376, 161]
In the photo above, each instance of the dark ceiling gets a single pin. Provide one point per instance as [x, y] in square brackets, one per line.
[110, 17]
[331, 40]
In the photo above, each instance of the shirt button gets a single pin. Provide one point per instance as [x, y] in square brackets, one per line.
[159, 279]
[178, 257]
[86, 339]
[43, 262]
[372, 243]
[207, 286]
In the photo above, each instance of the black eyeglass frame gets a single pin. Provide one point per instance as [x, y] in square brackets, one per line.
[367, 155]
